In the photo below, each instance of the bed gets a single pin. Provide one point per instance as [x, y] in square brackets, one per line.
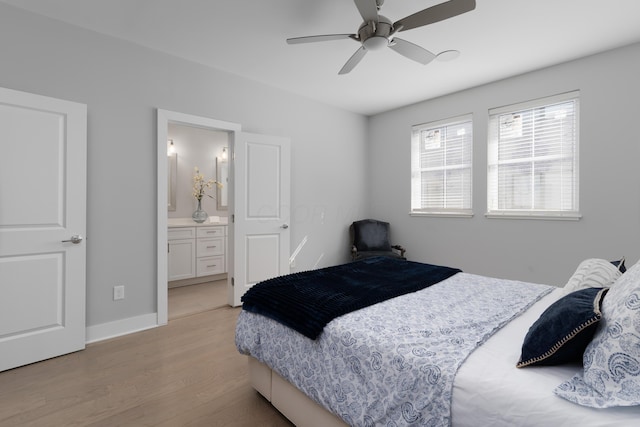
[446, 355]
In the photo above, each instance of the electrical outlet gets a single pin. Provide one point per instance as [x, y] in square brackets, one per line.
[118, 292]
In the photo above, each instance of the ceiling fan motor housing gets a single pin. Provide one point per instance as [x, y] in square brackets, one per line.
[375, 36]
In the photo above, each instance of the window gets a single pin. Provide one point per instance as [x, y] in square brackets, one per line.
[533, 159]
[441, 167]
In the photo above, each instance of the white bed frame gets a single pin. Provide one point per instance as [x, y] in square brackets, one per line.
[288, 400]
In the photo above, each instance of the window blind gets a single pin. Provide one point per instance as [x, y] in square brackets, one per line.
[441, 167]
[533, 158]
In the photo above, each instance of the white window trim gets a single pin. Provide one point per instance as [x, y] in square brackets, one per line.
[447, 212]
[450, 214]
[573, 215]
[549, 215]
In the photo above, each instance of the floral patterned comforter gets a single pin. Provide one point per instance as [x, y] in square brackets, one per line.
[392, 363]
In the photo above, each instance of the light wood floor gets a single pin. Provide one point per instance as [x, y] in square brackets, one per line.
[187, 373]
[188, 300]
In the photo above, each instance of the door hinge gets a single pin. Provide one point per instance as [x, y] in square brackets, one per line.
[233, 218]
[233, 282]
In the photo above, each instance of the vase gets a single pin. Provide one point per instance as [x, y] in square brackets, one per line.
[199, 215]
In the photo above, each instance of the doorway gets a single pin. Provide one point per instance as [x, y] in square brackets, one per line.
[165, 118]
[206, 150]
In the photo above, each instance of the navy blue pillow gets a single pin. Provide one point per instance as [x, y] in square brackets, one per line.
[564, 330]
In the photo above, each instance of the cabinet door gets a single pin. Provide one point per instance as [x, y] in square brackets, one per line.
[182, 259]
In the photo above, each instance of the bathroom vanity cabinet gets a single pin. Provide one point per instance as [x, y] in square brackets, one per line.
[196, 251]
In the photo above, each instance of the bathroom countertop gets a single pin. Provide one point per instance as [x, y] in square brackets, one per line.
[188, 222]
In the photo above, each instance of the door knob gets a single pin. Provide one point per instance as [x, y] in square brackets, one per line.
[285, 226]
[75, 239]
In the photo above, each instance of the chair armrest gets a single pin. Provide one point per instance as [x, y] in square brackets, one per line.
[399, 248]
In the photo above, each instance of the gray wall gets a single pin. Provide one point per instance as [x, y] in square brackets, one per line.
[338, 158]
[531, 250]
[123, 84]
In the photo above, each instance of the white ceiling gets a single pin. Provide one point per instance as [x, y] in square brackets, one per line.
[500, 38]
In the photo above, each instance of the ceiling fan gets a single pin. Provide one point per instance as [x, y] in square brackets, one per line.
[377, 31]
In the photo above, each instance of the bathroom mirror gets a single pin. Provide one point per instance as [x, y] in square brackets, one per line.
[172, 177]
[222, 175]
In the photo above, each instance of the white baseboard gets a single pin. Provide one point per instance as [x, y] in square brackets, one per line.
[121, 327]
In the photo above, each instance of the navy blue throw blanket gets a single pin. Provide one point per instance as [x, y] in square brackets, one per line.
[308, 300]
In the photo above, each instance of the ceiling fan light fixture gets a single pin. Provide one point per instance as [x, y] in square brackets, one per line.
[375, 43]
[448, 55]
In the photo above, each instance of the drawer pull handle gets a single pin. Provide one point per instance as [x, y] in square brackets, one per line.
[210, 266]
[211, 247]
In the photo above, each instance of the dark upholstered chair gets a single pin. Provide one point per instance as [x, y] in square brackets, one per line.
[370, 237]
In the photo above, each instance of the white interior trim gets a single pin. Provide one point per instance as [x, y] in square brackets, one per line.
[117, 328]
[164, 118]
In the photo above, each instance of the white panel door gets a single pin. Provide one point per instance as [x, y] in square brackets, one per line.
[42, 223]
[260, 207]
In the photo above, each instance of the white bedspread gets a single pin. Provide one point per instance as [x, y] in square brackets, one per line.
[490, 388]
[402, 373]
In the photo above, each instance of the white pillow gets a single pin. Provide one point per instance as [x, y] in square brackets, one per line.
[593, 273]
[612, 359]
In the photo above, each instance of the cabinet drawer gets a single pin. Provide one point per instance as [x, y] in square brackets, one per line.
[208, 247]
[211, 231]
[210, 265]
[181, 233]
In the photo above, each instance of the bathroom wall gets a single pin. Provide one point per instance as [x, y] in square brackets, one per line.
[195, 147]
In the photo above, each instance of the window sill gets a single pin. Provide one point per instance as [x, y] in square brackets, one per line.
[443, 214]
[551, 216]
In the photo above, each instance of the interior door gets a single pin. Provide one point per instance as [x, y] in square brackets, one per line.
[42, 224]
[260, 209]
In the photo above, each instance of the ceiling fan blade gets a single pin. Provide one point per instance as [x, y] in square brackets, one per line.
[436, 13]
[368, 9]
[322, 38]
[412, 51]
[353, 61]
